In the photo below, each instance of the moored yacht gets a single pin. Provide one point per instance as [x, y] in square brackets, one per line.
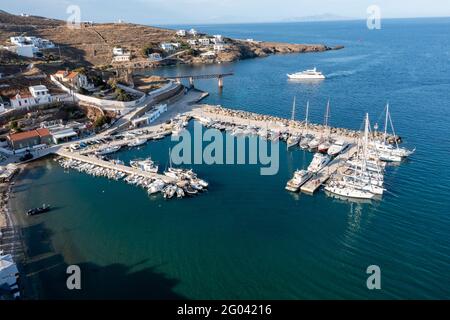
[299, 179]
[319, 162]
[337, 147]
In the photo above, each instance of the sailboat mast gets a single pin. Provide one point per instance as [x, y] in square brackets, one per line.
[293, 110]
[306, 120]
[386, 123]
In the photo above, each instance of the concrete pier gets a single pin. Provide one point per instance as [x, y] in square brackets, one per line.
[323, 175]
[108, 165]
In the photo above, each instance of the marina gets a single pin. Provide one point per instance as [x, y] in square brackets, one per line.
[292, 235]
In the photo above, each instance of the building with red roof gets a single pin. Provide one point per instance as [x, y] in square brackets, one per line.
[29, 139]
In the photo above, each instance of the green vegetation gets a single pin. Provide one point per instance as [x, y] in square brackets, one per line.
[122, 95]
[101, 121]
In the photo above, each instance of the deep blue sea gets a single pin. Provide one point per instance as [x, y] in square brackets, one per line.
[247, 238]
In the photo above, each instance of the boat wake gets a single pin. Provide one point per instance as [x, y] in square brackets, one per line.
[340, 74]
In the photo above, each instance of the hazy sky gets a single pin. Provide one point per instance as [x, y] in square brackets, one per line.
[222, 11]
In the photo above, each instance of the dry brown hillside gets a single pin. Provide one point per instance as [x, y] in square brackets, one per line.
[92, 44]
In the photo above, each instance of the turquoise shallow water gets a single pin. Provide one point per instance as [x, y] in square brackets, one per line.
[247, 237]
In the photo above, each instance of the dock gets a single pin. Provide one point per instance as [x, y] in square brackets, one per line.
[117, 167]
[323, 175]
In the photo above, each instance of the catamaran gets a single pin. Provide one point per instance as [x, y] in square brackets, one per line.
[310, 74]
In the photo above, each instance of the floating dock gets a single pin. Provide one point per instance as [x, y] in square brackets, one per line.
[323, 175]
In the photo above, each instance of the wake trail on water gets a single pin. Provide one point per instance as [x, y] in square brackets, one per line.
[340, 74]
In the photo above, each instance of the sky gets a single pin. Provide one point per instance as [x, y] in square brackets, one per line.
[160, 12]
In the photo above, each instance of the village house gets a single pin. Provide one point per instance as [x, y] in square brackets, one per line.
[219, 47]
[120, 55]
[169, 47]
[204, 41]
[40, 94]
[181, 33]
[29, 139]
[193, 32]
[154, 57]
[2, 105]
[150, 116]
[73, 78]
[22, 100]
[192, 42]
[218, 38]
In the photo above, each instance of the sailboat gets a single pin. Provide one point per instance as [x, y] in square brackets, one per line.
[386, 151]
[306, 139]
[325, 144]
[360, 184]
[294, 139]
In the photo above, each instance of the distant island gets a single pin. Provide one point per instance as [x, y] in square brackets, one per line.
[319, 17]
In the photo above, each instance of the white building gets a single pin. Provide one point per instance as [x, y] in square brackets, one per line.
[192, 42]
[154, 57]
[27, 50]
[23, 100]
[117, 51]
[150, 116]
[181, 33]
[219, 47]
[40, 94]
[204, 41]
[2, 105]
[39, 43]
[169, 47]
[208, 55]
[8, 273]
[193, 32]
[218, 38]
[122, 58]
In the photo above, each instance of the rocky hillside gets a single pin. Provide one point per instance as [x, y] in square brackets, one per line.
[92, 45]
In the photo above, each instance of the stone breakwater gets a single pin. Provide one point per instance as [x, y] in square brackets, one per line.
[298, 125]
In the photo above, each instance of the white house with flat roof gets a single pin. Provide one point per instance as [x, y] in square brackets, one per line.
[204, 41]
[181, 33]
[118, 51]
[22, 100]
[150, 116]
[154, 57]
[219, 47]
[218, 38]
[192, 42]
[40, 94]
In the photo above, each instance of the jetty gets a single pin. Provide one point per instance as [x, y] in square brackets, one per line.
[114, 166]
[323, 175]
